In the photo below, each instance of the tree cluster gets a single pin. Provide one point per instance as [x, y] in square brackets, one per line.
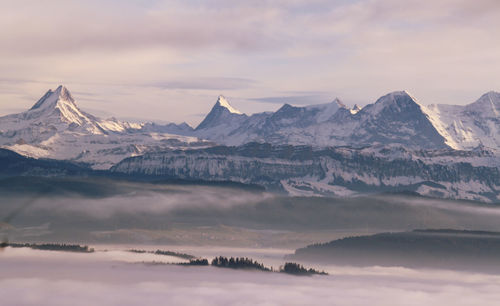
[196, 262]
[297, 269]
[167, 253]
[238, 263]
[53, 247]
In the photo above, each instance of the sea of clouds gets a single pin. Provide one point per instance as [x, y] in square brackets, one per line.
[31, 277]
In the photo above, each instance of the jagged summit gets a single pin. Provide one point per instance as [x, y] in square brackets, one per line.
[60, 104]
[339, 103]
[53, 97]
[222, 113]
[355, 109]
[222, 102]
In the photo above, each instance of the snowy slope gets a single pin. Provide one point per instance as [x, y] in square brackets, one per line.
[56, 128]
[466, 127]
[395, 118]
[221, 120]
[393, 144]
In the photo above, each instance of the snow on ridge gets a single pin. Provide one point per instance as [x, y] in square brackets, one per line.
[468, 126]
[222, 101]
[56, 128]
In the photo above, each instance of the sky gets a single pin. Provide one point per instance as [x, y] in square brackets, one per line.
[168, 60]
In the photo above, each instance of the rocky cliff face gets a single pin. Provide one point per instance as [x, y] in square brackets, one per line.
[302, 170]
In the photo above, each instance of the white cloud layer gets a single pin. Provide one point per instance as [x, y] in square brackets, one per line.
[64, 280]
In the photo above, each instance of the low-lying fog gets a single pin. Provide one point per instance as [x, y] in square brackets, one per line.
[34, 277]
[207, 221]
[105, 211]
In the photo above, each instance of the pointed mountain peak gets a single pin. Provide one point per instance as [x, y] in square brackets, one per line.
[355, 109]
[339, 103]
[64, 93]
[222, 102]
[53, 97]
[60, 104]
[221, 113]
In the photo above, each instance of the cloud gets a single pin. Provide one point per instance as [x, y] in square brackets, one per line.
[60, 26]
[82, 279]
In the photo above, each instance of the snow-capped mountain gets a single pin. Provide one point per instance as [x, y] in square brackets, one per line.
[56, 128]
[393, 144]
[220, 120]
[394, 118]
[469, 126]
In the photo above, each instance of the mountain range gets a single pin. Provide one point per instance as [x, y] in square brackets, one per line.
[56, 128]
[395, 144]
[396, 118]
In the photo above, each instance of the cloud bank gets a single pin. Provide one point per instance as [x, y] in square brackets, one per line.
[34, 280]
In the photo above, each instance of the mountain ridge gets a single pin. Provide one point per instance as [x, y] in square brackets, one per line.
[397, 117]
[54, 127]
[394, 144]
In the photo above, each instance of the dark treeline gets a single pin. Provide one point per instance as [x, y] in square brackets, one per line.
[167, 253]
[51, 247]
[442, 248]
[196, 262]
[250, 264]
[238, 263]
[297, 269]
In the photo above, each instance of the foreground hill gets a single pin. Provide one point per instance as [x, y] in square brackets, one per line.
[13, 164]
[451, 249]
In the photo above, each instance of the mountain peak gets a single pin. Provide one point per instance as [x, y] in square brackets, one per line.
[399, 93]
[221, 113]
[491, 97]
[487, 105]
[64, 93]
[397, 97]
[59, 104]
[53, 97]
[222, 102]
[355, 109]
[396, 102]
[339, 103]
